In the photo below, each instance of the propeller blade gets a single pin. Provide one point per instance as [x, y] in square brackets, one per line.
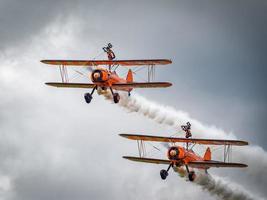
[90, 69]
[166, 145]
[79, 72]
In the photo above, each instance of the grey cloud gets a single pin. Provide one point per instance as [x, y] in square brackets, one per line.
[50, 139]
[218, 51]
[21, 20]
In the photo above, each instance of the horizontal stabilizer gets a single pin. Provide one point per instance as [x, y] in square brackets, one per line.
[184, 140]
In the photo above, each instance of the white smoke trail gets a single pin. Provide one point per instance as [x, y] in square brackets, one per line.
[171, 117]
[166, 115]
[217, 186]
[221, 188]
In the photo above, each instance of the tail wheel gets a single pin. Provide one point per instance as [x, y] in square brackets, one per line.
[191, 176]
[116, 97]
[163, 174]
[88, 97]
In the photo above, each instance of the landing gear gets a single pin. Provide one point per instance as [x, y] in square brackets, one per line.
[164, 173]
[116, 96]
[129, 94]
[191, 176]
[89, 96]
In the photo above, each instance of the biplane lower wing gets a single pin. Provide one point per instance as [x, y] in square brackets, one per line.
[184, 140]
[71, 85]
[147, 160]
[115, 86]
[142, 85]
[85, 63]
[194, 164]
[208, 164]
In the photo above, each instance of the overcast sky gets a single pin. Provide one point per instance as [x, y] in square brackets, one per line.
[54, 146]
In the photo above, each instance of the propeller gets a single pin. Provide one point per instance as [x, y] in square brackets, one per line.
[82, 73]
[166, 145]
[90, 69]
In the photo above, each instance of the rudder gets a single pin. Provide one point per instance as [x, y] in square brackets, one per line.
[129, 77]
[207, 155]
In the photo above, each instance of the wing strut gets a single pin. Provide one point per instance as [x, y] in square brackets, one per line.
[227, 151]
[63, 73]
[151, 72]
[141, 148]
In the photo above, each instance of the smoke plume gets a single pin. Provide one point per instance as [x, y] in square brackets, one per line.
[175, 118]
[221, 188]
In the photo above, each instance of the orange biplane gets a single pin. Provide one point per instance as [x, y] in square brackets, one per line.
[107, 78]
[180, 156]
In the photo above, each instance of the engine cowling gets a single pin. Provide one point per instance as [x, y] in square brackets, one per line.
[175, 153]
[99, 75]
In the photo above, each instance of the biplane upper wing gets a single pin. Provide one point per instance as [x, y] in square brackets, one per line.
[211, 163]
[194, 164]
[185, 140]
[142, 85]
[71, 85]
[147, 160]
[86, 63]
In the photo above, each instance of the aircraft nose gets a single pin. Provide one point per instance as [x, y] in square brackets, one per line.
[96, 75]
[173, 153]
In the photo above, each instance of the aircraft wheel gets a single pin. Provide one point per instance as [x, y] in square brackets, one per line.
[88, 97]
[163, 174]
[116, 97]
[191, 176]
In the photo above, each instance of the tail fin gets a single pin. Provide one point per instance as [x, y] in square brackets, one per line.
[207, 155]
[129, 77]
